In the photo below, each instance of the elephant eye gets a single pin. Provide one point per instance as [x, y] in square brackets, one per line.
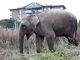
[23, 26]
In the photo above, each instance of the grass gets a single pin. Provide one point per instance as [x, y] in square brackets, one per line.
[9, 49]
[12, 54]
[57, 55]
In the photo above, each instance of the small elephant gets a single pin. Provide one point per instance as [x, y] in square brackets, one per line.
[49, 24]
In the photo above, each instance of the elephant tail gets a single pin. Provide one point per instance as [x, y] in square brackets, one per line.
[76, 27]
[75, 34]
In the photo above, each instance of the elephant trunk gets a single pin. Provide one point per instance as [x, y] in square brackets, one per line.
[21, 41]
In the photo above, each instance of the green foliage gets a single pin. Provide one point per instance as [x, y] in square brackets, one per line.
[52, 55]
[8, 23]
[57, 55]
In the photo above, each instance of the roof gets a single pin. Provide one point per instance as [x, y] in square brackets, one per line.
[55, 6]
[35, 5]
[32, 5]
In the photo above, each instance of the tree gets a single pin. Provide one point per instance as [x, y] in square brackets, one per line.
[8, 23]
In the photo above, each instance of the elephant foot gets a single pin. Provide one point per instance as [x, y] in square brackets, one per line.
[21, 51]
[38, 51]
[52, 50]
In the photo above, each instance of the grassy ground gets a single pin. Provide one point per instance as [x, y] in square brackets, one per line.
[9, 41]
[12, 53]
[66, 54]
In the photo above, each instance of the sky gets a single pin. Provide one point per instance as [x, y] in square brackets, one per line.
[71, 5]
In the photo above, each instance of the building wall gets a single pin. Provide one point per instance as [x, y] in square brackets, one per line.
[15, 14]
[22, 12]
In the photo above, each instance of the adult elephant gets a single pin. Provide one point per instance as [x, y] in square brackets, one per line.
[49, 24]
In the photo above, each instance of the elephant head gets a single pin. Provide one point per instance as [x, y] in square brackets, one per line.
[29, 22]
[27, 27]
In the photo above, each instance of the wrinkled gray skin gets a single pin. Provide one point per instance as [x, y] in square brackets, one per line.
[49, 24]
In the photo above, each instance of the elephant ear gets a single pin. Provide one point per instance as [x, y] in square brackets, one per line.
[34, 20]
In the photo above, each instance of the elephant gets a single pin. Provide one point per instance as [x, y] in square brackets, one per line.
[49, 24]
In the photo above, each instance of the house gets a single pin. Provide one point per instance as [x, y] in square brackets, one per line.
[32, 8]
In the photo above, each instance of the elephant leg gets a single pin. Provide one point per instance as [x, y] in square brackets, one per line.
[49, 34]
[21, 41]
[39, 45]
[50, 40]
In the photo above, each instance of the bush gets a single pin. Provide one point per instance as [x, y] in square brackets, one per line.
[9, 23]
